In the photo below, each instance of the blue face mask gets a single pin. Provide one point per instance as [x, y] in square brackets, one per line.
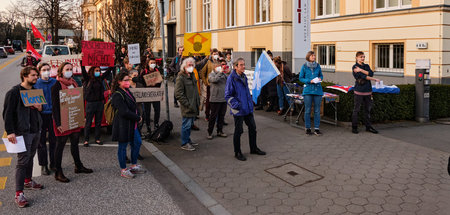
[97, 74]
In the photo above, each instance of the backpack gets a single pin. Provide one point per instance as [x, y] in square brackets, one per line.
[110, 111]
[162, 132]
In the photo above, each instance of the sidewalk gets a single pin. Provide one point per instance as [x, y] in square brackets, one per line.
[363, 173]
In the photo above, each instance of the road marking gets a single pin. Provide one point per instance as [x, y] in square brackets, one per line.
[2, 147]
[10, 61]
[5, 161]
[2, 182]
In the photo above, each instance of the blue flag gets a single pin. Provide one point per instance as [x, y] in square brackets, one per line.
[265, 71]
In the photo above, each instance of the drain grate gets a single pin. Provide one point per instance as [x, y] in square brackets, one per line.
[294, 175]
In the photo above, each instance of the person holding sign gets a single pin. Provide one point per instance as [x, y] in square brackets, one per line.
[65, 81]
[23, 121]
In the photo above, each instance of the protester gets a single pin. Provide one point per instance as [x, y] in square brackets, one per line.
[217, 80]
[94, 96]
[23, 121]
[125, 125]
[150, 67]
[284, 77]
[121, 56]
[186, 92]
[29, 60]
[229, 60]
[311, 75]
[204, 74]
[46, 83]
[65, 81]
[237, 94]
[148, 52]
[127, 66]
[174, 68]
[363, 92]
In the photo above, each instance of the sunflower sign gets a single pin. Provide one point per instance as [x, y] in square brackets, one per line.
[197, 44]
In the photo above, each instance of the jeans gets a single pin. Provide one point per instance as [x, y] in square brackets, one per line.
[24, 167]
[186, 130]
[309, 99]
[135, 148]
[147, 113]
[61, 143]
[238, 130]
[218, 110]
[282, 95]
[93, 109]
[47, 128]
[360, 100]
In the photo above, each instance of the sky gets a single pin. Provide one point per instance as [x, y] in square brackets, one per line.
[4, 4]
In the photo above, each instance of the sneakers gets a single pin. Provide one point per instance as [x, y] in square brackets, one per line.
[21, 201]
[194, 144]
[308, 132]
[126, 173]
[317, 132]
[137, 169]
[209, 137]
[33, 186]
[188, 147]
[221, 134]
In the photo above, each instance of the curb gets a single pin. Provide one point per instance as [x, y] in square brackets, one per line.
[212, 205]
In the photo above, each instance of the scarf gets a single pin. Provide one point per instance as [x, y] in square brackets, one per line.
[66, 83]
[311, 65]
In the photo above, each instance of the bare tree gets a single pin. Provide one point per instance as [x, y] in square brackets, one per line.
[113, 22]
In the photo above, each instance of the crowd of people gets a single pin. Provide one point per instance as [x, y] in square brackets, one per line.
[209, 83]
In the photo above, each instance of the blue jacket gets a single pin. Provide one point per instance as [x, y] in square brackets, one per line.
[46, 86]
[306, 75]
[237, 95]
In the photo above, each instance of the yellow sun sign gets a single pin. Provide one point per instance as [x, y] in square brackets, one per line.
[197, 44]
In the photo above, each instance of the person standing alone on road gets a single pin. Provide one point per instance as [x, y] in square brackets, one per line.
[237, 95]
[23, 121]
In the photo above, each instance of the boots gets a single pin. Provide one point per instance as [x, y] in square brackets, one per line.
[82, 169]
[59, 176]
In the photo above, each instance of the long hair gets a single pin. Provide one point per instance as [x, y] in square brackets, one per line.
[119, 77]
[91, 72]
[61, 67]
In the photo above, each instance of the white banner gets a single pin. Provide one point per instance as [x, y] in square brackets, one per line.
[133, 54]
[55, 61]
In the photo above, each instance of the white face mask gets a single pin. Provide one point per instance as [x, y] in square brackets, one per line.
[45, 74]
[68, 74]
[190, 69]
[218, 69]
[216, 57]
[152, 65]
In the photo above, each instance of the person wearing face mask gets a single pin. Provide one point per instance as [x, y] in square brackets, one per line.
[217, 80]
[204, 74]
[46, 83]
[65, 81]
[186, 92]
[94, 90]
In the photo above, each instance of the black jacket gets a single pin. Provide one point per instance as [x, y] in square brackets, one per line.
[18, 118]
[34, 61]
[174, 66]
[361, 83]
[93, 89]
[126, 116]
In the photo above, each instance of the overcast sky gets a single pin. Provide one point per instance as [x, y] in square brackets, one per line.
[4, 4]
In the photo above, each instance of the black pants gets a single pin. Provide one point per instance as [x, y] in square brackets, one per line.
[174, 82]
[147, 110]
[367, 102]
[207, 107]
[24, 166]
[47, 132]
[238, 130]
[93, 109]
[218, 110]
[61, 142]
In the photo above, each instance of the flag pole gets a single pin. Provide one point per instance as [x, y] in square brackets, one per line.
[163, 41]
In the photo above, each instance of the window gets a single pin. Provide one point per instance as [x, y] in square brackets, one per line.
[206, 14]
[262, 11]
[172, 9]
[188, 7]
[230, 13]
[256, 53]
[391, 4]
[326, 56]
[327, 8]
[389, 57]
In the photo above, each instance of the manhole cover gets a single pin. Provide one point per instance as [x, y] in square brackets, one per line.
[293, 174]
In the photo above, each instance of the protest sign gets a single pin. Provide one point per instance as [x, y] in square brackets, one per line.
[152, 79]
[197, 44]
[33, 97]
[148, 94]
[133, 54]
[97, 53]
[72, 108]
[55, 61]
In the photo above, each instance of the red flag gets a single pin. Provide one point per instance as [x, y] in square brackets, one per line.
[33, 51]
[36, 33]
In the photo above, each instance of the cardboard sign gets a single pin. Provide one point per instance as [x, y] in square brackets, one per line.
[97, 53]
[33, 97]
[55, 61]
[152, 79]
[133, 54]
[72, 108]
[197, 44]
[148, 94]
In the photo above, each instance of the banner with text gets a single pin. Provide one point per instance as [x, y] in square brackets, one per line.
[33, 97]
[72, 108]
[55, 61]
[133, 54]
[301, 32]
[148, 94]
[97, 53]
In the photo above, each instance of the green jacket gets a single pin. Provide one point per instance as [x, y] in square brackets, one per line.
[187, 94]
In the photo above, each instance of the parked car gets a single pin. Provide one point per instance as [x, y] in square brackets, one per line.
[9, 49]
[50, 50]
[3, 53]
[17, 45]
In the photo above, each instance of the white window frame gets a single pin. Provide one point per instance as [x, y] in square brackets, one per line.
[391, 68]
[230, 15]
[188, 16]
[255, 50]
[206, 15]
[328, 64]
[334, 11]
[258, 20]
[386, 5]
[173, 14]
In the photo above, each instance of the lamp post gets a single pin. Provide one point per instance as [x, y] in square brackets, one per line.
[163, 41]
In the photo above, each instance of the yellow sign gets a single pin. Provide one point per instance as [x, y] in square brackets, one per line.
[197, 44]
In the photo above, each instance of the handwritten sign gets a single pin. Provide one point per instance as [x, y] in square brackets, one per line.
[197, 44]
[33, 97]
[152, 79]
[148, 94]
[72, 108]
[97, 53]
[56, 61]
[133, 54]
